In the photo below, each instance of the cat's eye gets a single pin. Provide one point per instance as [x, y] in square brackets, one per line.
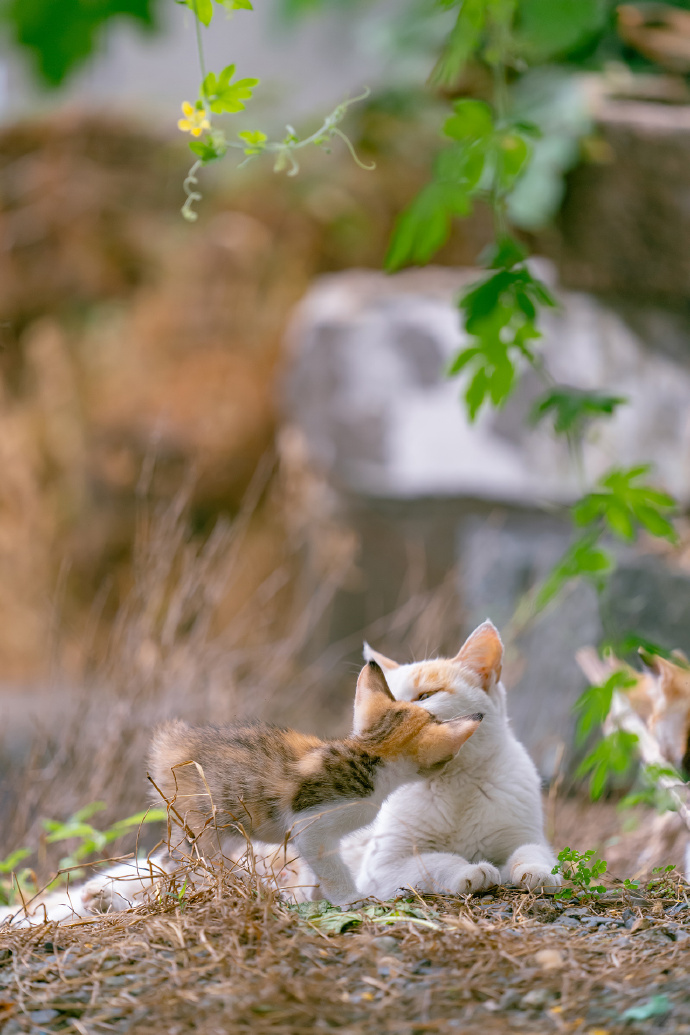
[427, 693]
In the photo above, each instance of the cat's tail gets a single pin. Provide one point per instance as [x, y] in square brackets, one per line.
[177, 776]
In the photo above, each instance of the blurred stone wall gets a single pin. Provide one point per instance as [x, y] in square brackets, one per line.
[388, 431]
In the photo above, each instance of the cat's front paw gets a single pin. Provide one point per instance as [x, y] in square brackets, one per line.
[99, 896]
[475, 877]
[535, 877]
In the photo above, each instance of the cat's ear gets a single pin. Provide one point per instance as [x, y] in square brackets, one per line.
[482, 653]
[441, 741]
[672, 677]
[373, 655]
[372, 698]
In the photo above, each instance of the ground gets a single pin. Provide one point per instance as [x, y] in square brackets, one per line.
[228, 959]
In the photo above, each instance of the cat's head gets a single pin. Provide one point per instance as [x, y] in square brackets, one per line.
[670, 717]
[402, 731]
[450, 687]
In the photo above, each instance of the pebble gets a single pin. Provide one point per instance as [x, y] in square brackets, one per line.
[43, 1016]
[567, 921]
[386, 943]
[536, 999]
[678, 908]
[549, 959]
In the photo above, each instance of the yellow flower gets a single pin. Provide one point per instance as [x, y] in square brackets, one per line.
[194, 121]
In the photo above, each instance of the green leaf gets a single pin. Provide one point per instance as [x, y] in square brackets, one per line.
[572, 408]
[613, 755]
[60, 36]
[501, 381]
[515, 153]
[472, 122]
[88, 811]
[476, 393]
[460, 361]
[546, 28]
[657, 1006]
[595, 703]
[10, 863]
[254, 140]
[203, 9]
[504, 254]
[459, 166]
[655, 522]
[236, 5]
[619, 521]
[461, 43]
[625, 505]
[222, 95]
[583, 559]
[420, 230]
[205, 150]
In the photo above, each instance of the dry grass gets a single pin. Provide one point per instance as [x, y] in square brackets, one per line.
[233, 958]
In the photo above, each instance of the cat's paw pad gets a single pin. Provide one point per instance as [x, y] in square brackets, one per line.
[101, 896]
[477, 877]
[535, 878]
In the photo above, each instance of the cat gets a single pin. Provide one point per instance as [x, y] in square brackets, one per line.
[224, 783]
[476, 823]
[660, 696]
[228, 783]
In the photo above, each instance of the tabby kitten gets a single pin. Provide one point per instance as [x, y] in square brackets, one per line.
[229, 783]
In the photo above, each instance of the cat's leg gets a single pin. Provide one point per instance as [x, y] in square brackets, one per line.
[531, 866]
[317, 835]
[280, 867]
[322, 855]
[385, 870]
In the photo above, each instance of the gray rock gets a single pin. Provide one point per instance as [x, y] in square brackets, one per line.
[367, 390]
[536, 999]
[42, 1016]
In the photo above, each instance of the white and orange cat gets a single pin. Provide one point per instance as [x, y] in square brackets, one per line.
[479, 822]
[223, 784]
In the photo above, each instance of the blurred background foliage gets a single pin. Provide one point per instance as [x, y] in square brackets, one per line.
[581, 34]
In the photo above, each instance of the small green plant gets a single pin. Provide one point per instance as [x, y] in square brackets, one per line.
[14, 883]
[17, 886]
[664, 882]
[90, 839]
[649, 790]
[579, 869]
[180, 896]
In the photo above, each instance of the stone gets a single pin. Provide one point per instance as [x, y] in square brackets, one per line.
[43, 1016]
[367, 398]
[549, 959]
[536, 999]
[367, 388]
